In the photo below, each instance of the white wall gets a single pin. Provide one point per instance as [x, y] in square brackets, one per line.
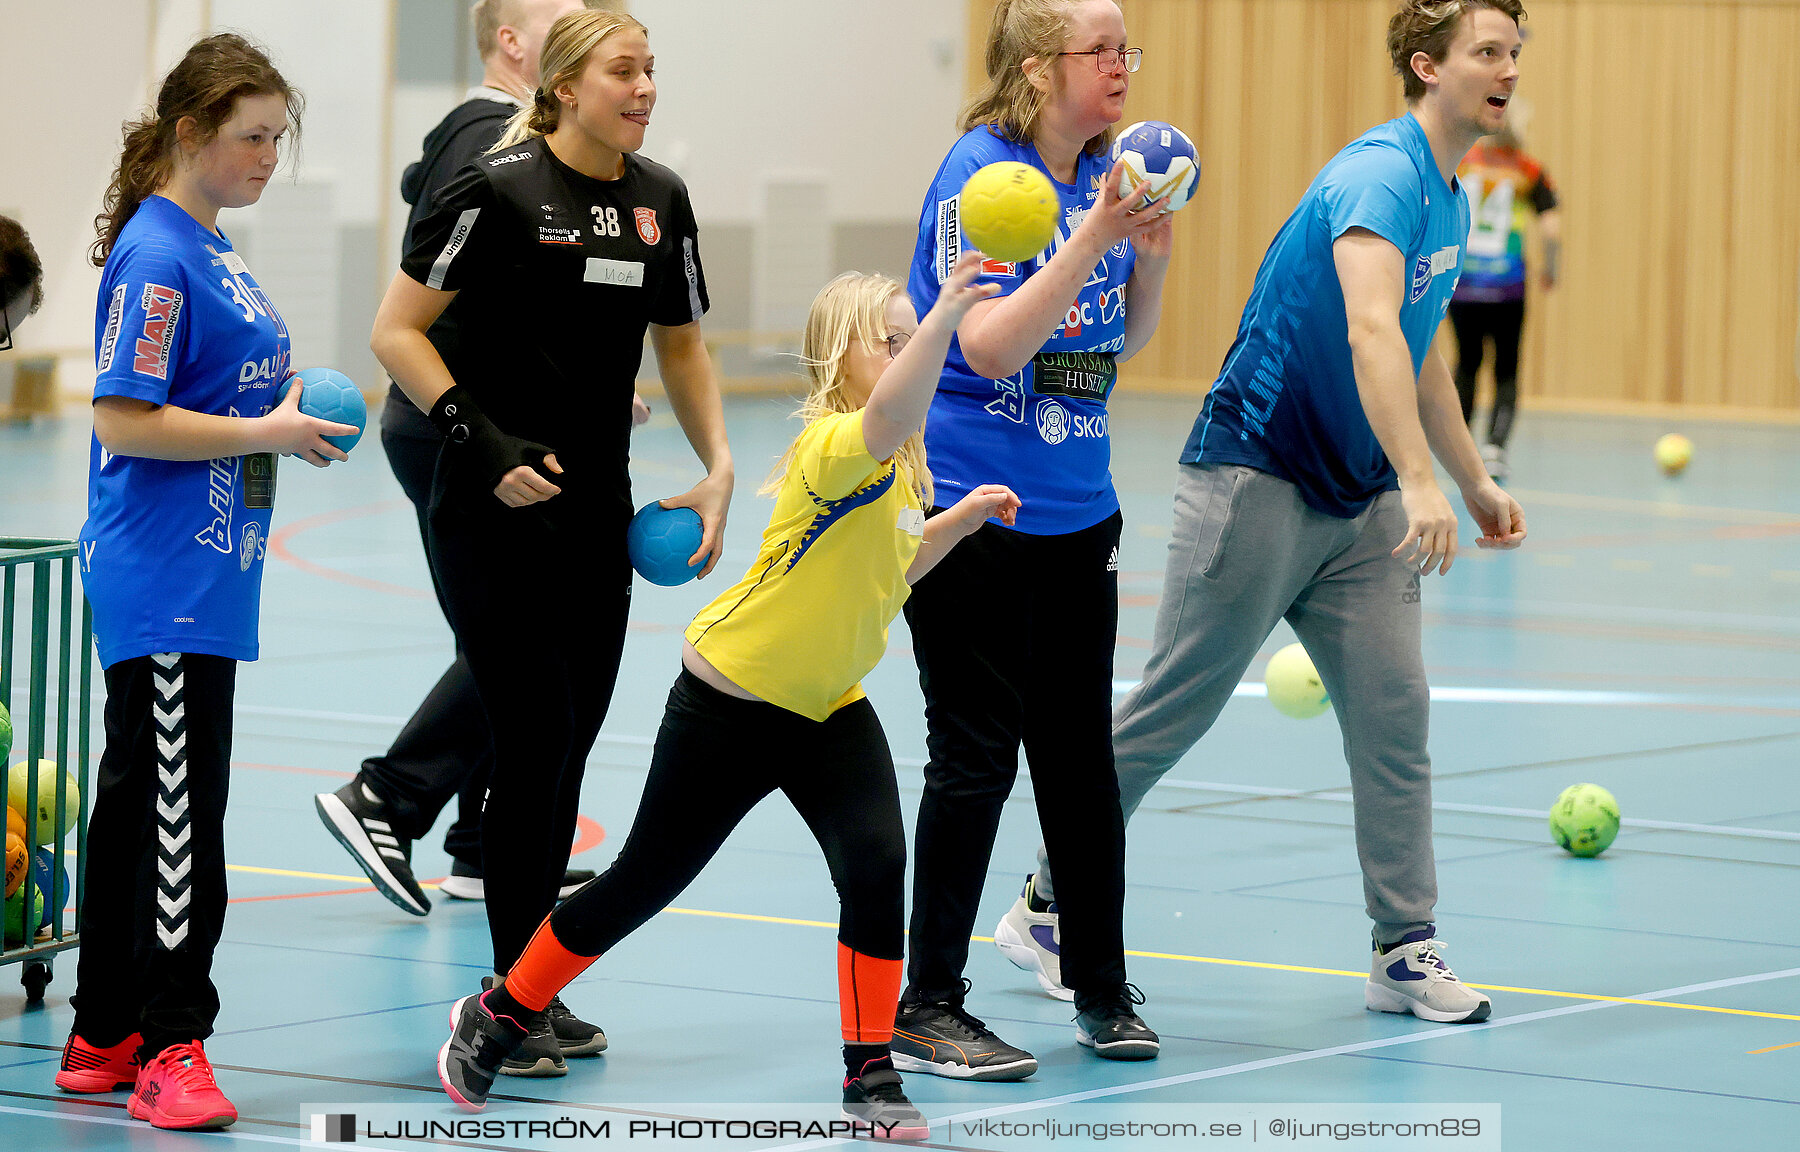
[66, 91]
[864, 92]
[860, 93]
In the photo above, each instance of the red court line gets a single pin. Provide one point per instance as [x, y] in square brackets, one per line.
[591, 834]
[300, 895]
[278, 548]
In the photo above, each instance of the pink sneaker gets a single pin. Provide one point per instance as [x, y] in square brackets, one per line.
[177, 1090]
[86, 1068]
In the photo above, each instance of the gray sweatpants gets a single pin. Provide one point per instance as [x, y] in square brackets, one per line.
[1246, 552]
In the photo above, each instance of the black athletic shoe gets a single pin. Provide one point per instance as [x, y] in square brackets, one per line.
[539, 1055]
[465, 883]
[875, 1099]
[479, 1043]
[944, 1040]
[358, 819]
[574, 1035]
[1107, 1024]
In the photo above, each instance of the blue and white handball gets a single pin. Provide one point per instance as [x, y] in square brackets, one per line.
[1161, 155]
[327, 394]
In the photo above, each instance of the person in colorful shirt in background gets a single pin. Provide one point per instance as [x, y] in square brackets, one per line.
[1506, 188]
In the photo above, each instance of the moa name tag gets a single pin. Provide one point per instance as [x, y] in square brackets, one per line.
[622, 273]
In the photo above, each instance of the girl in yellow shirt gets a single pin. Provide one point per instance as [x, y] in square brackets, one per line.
[769, 694]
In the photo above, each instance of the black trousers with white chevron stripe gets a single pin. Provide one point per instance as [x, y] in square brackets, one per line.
[154, 902]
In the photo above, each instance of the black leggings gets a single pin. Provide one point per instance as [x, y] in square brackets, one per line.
[716, 757]
[1475, 322]
[1014, 637]
[538, 597]
[154, 894]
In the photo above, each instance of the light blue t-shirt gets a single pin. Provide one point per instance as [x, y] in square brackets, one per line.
[1043, 430]
[172, 551]
[1286, 401]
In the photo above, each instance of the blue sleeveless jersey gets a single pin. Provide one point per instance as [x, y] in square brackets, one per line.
[172, 551]
[1043, 430]
[1286, 401]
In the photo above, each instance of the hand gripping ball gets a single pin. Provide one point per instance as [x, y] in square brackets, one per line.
[660, 540]
[1162, 156]
[327, 394]
[1009, 210]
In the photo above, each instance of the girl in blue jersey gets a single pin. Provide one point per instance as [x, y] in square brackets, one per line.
[769, 696]
[1014, 632]
[191, 358]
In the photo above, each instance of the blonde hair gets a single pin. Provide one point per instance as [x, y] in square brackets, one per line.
[851, 307]
[489, 16]
[570, 41]
[1008, 101]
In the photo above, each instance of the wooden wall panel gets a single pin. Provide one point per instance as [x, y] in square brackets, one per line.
[1672, 128]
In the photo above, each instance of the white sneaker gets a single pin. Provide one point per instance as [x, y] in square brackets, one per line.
[1493, 457]
[1033, 941]
[464, 885]
[1412, 977]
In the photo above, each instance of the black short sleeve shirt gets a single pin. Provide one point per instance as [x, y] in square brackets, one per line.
[559, 275]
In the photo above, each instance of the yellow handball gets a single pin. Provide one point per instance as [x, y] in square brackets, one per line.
[1009, 210]
[1293, 684]
[1673, 452]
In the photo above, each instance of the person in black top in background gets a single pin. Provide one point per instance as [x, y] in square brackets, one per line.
[446, 748]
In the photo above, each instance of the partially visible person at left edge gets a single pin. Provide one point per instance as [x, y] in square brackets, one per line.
[21, 279]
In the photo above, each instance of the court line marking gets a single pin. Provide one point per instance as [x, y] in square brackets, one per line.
[1776, 1048]
[1177, 956]
[1337, 797]
[141, 1126]
[1320, 1054]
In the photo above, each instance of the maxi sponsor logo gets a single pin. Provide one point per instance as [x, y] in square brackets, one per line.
[162, 309]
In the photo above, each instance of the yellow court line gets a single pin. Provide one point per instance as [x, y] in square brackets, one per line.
[1777, 1048]
[1262, 964]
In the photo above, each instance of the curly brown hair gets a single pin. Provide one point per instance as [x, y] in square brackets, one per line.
[1429, 26]
[206, 85]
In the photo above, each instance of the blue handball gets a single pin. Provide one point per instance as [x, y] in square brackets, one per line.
[53, 882]
[660, 540]
[328, 394]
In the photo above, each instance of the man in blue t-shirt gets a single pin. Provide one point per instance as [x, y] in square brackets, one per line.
[1307, 491]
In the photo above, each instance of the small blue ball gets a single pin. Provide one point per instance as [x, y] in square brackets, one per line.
[660, 540]
[53, 881]
[328, 394]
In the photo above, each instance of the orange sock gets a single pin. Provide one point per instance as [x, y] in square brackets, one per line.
[868, 992]
[544, 970]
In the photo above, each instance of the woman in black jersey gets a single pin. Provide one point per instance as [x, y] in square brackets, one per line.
[564, 237]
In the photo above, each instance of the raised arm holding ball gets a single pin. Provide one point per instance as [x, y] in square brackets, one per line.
[1307, 493]
[1014, 630]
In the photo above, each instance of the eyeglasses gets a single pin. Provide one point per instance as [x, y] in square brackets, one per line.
[1107, 59]
[896, 342]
